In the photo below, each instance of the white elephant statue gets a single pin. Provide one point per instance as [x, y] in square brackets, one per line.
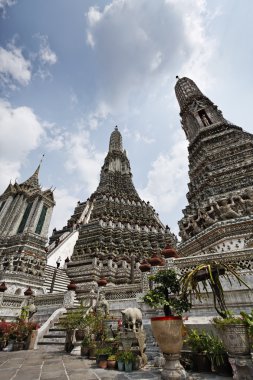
[132, 318]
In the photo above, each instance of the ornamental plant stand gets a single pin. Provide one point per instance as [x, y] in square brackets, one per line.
[135, 340]
[168, 334]
[237, 342]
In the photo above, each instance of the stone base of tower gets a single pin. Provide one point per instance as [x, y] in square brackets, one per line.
[17, 283]
[224, 237]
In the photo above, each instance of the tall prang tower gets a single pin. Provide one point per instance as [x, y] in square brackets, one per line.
[219, 214]
[25, 214]
[116, 230]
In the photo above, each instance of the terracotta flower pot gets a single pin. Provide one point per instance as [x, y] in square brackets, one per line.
[102, 361]
[111, 364]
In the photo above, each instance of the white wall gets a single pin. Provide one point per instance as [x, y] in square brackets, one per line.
[65, 249]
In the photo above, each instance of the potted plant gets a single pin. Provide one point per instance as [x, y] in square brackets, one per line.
[102, 355]
[233, 331]
[199, 342]
[111, 362]
[85, 346]
[92, 350]
[168, 330]
[208, 275]
[120, 360]
[80, 323]
[129, 358]
[218, 356]
[72, 322]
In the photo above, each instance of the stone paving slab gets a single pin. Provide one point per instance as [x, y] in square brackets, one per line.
[44, 365]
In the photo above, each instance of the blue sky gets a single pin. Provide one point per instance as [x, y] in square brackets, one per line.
[72, 70]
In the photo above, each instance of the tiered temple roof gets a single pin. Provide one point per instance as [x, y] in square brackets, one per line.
[220, 163]
[25, 214]
[116, 228]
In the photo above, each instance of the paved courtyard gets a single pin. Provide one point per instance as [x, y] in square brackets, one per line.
[42, 365]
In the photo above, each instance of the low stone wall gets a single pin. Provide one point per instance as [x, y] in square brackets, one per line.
[10, 306]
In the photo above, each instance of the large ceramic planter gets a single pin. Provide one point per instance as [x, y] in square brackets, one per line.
[120, 365]
[128, 366]
[168, 334]
[235, 338]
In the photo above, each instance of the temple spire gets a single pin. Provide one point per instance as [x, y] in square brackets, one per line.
[115, 141]
[33, 181]
[197, 111]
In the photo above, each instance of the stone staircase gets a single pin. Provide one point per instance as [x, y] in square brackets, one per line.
[56, 280]
[56, 336]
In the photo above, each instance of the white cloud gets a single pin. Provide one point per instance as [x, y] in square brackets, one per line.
[156, 61]
[89, 39]
[9, 171]
[20, 133]
[13, 66]
[46, 54]
[101, 113]
[43, 58]
[65, 204]
[93, 15]
[135, 53]
[83, 159]
[138, 136]
[73, 99]
[4, 4]
[54, 137]
[167, 178]
[55, 143]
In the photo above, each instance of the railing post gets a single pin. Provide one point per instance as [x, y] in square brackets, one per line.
[53, 281]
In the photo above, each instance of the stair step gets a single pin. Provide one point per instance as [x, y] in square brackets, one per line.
[57, 329]
[49, 343]
[54, 336]
[54, 339]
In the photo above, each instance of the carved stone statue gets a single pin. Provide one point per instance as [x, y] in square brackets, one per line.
[247, 201]
[29, 310]
[226, 210]
[102, 306]
[132, 318]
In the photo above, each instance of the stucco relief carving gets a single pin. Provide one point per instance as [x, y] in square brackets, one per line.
[232, 207]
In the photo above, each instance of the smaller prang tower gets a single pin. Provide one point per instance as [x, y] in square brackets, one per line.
[219, 215]
[117, 230]
[25, 214]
